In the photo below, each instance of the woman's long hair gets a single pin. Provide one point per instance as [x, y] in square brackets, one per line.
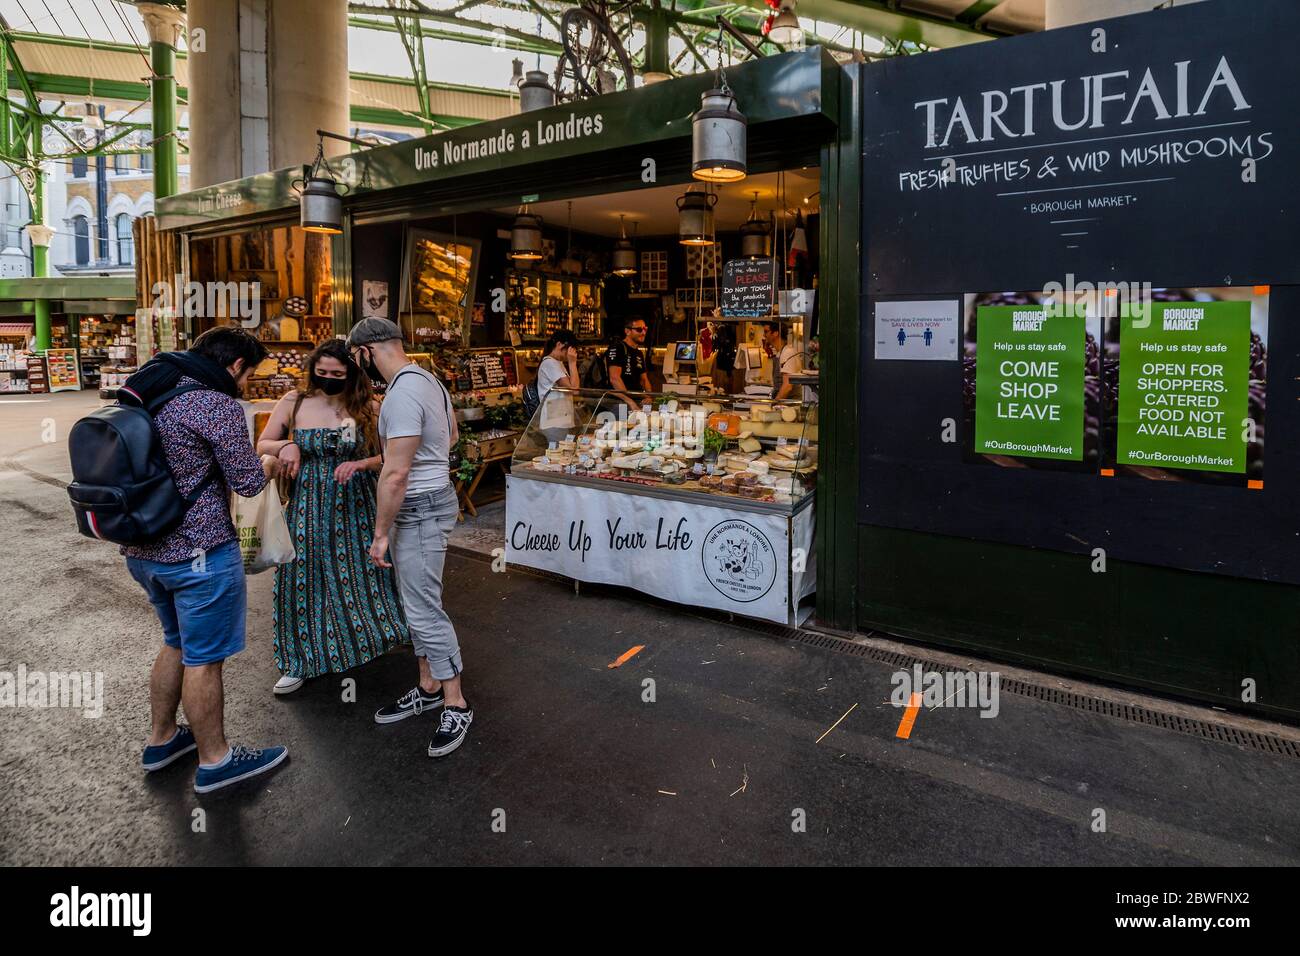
[358, 396]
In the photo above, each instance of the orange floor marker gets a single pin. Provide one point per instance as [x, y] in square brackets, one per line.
[909, 716]
[626, 656]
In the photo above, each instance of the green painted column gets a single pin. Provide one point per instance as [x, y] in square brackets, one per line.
[165, 25]
[40, 235]
[44, 329]
[656, 40]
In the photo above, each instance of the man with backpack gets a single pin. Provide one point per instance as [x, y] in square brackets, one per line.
[194, 575]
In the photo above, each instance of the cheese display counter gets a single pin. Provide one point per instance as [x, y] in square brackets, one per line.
[704, 502]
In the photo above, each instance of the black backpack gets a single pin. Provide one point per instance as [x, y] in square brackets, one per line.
[123, 489]
[596, 375]
[532, 400]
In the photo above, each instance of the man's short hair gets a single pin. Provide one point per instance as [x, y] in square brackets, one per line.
[630, 320]
[371, 331]
[226, 343]
[772, 327]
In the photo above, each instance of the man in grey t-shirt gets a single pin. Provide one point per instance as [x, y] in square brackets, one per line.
[415, 514]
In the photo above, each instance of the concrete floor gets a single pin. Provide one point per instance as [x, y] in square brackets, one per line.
[564, 750]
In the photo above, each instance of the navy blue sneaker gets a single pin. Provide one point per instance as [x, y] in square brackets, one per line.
[452, 729]
[417, 701]
[161, 755]
[243, 762]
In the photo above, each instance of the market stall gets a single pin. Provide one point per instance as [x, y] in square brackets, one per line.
[482, 243]
[702, 502]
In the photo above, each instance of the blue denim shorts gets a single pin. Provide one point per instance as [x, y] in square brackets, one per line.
[202, 604]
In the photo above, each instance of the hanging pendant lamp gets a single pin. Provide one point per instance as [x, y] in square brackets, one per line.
[695, 217]
[718, 133]
[526, 236]
[785, 29]
[754, 234]
[320, 207]
[570, 264]
[623, 260]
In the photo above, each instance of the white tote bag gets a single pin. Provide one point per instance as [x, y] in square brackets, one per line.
[264, 539]
[557, 411]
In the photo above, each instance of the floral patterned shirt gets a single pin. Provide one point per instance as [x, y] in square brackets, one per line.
[201, 431]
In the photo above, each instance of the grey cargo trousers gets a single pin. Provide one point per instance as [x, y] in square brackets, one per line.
[417, 547]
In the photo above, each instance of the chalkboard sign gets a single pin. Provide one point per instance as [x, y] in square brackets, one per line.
[491, 369]
[748, 287]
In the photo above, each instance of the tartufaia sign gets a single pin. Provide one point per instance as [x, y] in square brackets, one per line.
[1071, 150]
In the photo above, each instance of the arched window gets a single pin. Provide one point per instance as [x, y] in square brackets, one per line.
[125, 242]
[81, 240]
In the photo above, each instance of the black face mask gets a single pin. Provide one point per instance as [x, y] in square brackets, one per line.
[330, 386]
[367, 364]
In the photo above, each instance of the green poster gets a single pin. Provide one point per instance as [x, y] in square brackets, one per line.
[1183, 377]
[1029, 383]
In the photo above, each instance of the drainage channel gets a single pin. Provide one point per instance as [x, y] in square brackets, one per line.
[1132, 713]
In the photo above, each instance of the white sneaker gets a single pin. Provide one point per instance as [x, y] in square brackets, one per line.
[287, 684]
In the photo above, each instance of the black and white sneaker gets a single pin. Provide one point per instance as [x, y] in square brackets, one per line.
[451, 730]
[408, 705]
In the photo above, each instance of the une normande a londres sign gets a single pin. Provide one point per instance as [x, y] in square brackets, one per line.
[507, 141]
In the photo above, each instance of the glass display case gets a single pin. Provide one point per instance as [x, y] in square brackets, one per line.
[440, 272]
[756, 451]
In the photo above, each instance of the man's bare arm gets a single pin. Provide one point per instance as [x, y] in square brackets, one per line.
[399, 454]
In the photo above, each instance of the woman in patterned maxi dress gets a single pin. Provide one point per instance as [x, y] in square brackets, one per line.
[333, 609]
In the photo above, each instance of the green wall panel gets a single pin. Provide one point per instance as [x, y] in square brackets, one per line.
[1195, 636]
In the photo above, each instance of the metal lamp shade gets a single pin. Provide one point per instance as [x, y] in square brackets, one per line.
[785, 28]
[535, 92]
[321, 207]
[623, 260]
[526, 237]
[718, 139]
[695, 218]
[753, 240]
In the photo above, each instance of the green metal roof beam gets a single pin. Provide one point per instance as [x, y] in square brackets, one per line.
[382, 116]
[977, 9]
[433, 84]
[78, 86]
[56, 84]
[535, 45]
[882, 18]
[439, 17]
[82, 43]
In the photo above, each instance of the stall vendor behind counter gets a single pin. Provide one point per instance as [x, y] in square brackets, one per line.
[626, 362]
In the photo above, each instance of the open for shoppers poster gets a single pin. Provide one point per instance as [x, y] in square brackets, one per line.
[1185, 387]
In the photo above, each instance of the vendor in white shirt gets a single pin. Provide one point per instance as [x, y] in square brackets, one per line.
[787, 361]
